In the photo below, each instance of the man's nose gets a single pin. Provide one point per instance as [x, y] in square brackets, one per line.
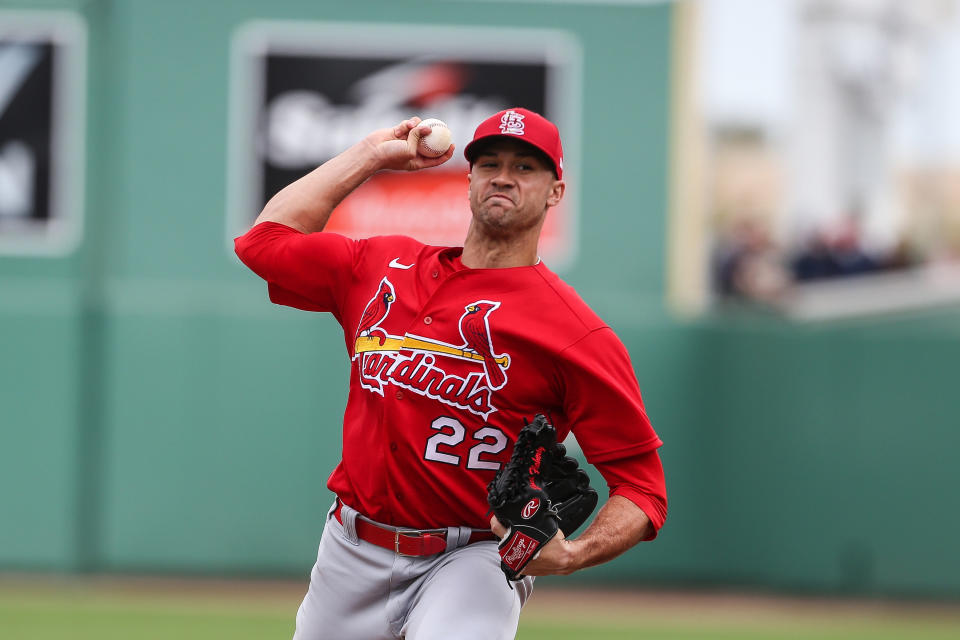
[503, 177]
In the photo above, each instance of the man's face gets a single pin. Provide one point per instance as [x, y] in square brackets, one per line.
[511, 186]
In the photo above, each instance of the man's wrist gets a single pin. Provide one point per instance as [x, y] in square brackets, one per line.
[367, 158]
[574, 556]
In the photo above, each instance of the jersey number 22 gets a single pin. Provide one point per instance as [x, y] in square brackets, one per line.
[451, 432]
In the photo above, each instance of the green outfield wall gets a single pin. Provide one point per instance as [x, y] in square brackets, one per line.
[159, 414]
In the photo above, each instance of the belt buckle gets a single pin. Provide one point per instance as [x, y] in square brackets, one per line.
[410, 533]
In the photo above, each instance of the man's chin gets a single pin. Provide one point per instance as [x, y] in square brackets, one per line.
[497, 210]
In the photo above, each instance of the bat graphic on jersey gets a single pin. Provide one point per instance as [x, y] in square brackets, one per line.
[376, 311]
[364, 344]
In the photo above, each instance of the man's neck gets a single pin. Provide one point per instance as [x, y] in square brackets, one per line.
[485, 252]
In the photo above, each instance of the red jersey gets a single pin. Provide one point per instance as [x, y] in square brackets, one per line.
[447, 361]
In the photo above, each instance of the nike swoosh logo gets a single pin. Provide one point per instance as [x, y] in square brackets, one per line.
[395, 263]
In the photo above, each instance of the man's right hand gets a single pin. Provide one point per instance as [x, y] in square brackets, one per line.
[396, 148]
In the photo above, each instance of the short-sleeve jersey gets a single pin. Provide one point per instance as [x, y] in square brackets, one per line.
[447, 362]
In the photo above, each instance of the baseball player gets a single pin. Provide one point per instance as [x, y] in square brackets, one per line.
[452, 348]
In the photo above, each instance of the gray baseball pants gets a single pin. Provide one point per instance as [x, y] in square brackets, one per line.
[360, 591]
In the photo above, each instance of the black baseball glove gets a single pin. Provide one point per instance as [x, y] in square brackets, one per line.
[540, 491]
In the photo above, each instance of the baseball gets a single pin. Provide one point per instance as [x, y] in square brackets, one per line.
[437, 142]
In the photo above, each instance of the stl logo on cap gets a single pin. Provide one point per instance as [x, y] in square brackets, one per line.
[512, 123]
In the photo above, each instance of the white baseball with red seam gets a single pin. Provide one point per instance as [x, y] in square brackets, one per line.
[437, 142]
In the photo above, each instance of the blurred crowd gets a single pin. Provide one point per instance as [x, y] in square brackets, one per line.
[748, 264]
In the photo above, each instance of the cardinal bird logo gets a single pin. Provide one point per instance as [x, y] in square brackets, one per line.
[475, 331]
[377, 309]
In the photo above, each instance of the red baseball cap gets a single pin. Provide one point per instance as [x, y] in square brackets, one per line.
[521, 124]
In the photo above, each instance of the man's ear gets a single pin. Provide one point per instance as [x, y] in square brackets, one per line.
[556, 193]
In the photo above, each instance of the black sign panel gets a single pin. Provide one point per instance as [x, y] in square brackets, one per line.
[356, 95]
[26, 131]
[41, 69]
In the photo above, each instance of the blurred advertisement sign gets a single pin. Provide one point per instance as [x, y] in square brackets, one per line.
[41, 120]
[303, 93]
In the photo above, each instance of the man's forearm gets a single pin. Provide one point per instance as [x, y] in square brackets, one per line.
[620, 524]
[306, 204]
